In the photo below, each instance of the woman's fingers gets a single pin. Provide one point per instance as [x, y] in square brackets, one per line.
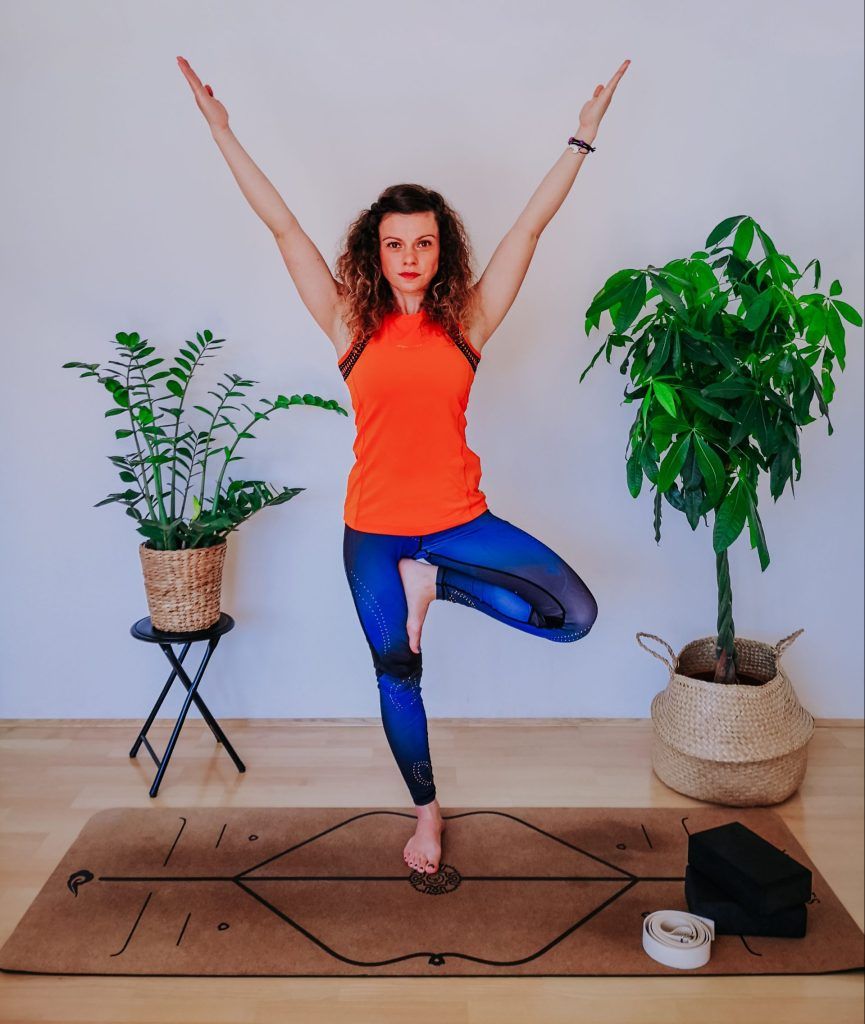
[594, 109]
[614, 81]
[213, 110]
[190, 75]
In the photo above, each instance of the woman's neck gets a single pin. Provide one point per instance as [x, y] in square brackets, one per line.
[408, 305]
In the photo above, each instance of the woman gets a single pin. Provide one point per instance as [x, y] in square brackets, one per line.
[409, 327]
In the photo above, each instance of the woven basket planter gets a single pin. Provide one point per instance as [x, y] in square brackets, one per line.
[733, 744]
[183, 587]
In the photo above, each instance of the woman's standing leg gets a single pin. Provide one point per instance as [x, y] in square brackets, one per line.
[372, 568]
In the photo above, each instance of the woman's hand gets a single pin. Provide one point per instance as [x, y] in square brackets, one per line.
[594, 109]
[214, 112]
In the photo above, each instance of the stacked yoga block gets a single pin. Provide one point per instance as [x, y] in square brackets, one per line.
[744, 884]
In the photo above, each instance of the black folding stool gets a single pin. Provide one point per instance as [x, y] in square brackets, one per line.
[143, 629]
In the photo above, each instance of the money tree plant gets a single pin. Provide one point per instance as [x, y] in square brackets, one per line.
[725, 367]
[170, 461]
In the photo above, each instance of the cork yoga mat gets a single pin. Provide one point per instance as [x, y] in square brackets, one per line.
[282, 891]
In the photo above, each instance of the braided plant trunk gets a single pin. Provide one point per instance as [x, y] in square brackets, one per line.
[725, 646]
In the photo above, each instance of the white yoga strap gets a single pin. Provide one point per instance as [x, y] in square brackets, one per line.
[677, 938]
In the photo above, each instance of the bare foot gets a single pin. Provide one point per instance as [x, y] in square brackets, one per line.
[423, 850]
[419, 583]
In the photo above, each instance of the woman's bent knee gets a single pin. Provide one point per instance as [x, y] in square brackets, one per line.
[583, 619]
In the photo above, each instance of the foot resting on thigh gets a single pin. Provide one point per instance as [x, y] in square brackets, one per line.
[423, 851]
[419, 583]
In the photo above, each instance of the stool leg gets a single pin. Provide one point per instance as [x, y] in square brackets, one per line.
[175, 732]
[134, 751]
[206, 714]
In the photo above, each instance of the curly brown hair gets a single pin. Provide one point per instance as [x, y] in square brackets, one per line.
[449, 300]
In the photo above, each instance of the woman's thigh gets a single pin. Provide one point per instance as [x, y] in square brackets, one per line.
[496, 551]
[371, 563]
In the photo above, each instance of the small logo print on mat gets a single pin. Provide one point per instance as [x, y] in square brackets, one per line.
[446, 879]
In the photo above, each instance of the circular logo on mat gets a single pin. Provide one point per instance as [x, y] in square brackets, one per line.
[446, 879]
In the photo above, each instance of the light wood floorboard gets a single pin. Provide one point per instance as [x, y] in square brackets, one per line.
[55, 774]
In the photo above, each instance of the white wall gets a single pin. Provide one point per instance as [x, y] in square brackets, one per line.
[121, 214]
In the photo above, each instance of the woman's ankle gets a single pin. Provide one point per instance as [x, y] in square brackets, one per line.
[430, 810]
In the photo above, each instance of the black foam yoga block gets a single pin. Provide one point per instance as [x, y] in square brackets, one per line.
[731, 918]
[749, 868]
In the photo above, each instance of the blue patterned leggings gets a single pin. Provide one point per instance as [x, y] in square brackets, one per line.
[488, 564]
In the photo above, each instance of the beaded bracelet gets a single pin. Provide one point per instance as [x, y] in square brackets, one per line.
[578, 146]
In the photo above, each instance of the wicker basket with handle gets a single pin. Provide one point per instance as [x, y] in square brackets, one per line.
[730, 743]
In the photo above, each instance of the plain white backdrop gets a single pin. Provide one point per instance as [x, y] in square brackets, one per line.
[120, 214]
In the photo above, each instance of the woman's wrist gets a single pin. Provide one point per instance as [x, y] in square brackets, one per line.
[586, 132]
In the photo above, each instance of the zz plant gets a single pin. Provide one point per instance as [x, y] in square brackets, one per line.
[723, 391]
[168, 456]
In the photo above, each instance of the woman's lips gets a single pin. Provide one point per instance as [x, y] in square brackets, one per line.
[409, 275]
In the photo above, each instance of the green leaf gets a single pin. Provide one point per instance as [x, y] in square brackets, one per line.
[848, 312]
[730, 518]
[673, 462]
[657, 516]
[677, 351]
[828, 389]
[660, 354]
[779, 470]
[675, 498]
[744, 238]
[722, 230]
[591, 364]
[634, 474]
[722, 349]
[744, 420]
[631, 304]
[755, 529]
[696, 399]
[668, 294]
[711, 467]
[816, 318]
[835, 333]
[768, 245]
[666, 396]
[758, 310]
[649, 460]
[729, 388]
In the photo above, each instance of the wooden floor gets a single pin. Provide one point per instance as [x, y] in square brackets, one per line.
[55, 774]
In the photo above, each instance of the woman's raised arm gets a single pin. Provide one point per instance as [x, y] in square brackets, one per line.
[309, 271]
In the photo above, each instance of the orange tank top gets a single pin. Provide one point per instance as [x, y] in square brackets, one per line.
[413, 472]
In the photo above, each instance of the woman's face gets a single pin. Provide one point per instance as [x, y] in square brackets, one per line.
[409, 242]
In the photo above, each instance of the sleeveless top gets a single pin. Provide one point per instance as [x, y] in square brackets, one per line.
[413, 472]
